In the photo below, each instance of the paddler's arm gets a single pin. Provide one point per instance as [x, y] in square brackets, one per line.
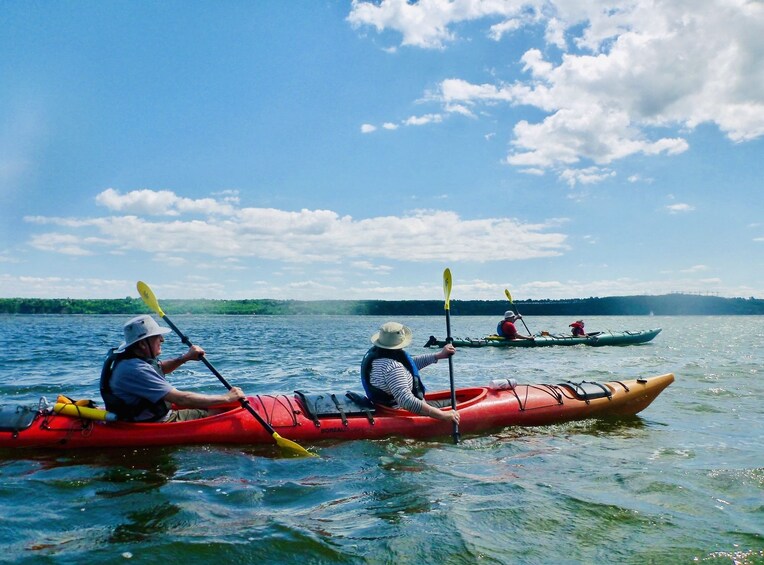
[425, 409]
[438, 414]
[194, 353]
[423, 361]
[190, 399]
[448, 415]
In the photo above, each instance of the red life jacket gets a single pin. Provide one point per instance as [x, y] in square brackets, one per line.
[506, 329]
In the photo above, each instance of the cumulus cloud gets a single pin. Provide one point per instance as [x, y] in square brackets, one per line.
[162, 203]
[410, 121]
[207, 227]
[590, 175]
[423, 120]
[609, 83]
[428, 24]
[679, 208]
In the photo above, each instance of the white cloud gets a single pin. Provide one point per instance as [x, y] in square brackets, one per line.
[368, 128]
[695, 269]
[65, 244]
[64, 287]
[590, 175]
[369, 266]
[161, 203]
[626, 74]
[497, 31]
[679, 208]
[303, 236]
[639, 178]
[423, 120]
[427, 24]
[6, 257]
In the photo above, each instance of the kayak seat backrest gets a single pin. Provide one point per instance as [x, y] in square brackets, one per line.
[329, 405]
[587, 390]
[16, 419]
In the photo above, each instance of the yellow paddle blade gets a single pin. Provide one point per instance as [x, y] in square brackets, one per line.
[292, 446]
[509, 296]
[447, 287]
[148, 297]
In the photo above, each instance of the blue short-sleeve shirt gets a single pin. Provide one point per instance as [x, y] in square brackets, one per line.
[134, 379]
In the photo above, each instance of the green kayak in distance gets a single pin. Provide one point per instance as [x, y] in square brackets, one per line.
[545, 339]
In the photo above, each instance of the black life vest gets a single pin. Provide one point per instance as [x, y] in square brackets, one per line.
[123, 410]
[377, 394]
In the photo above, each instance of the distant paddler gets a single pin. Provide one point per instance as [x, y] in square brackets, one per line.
[506, 327]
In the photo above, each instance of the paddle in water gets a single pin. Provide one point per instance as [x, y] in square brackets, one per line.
[509, 297]
[449, 339]
[151, 301]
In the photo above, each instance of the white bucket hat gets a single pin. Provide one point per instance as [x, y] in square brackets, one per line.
[392, 335]
[510, 315]
[139, 328]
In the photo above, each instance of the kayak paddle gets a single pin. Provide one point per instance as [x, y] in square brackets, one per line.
[449, 339]
[509, 297]
[151, 301]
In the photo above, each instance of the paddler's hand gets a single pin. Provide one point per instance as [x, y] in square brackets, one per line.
[447, 351]
[454, 416]
[235, 394]
[194, 353]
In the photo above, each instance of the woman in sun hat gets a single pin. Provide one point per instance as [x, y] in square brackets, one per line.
[390, 376]
[506, 327]
[133, 383]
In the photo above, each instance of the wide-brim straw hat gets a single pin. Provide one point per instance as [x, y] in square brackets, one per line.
[392, 335]
[139, 328]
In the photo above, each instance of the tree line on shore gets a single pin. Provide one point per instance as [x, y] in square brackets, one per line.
[660, 305]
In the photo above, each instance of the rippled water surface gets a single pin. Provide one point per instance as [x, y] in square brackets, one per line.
[681, 483]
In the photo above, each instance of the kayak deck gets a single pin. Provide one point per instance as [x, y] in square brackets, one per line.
[309, 417]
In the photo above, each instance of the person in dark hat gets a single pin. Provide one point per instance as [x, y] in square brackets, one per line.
[390, 376]
[133, 382]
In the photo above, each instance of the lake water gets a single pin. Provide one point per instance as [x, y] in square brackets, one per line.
[681, 483]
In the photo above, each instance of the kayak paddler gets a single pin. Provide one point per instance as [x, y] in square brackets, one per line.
[506, 327]
[134, 385]
[390, 376]
[577, 329]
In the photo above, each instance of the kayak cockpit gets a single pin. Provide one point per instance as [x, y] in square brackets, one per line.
[465, 397]
[353, 404]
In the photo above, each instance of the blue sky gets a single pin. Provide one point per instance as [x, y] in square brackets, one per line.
[353, 150]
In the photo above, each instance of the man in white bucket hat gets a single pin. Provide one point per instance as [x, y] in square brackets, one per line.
[390, 376]
[506, 327]
[133, 383]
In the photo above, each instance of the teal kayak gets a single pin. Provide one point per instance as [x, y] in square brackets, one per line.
[545, 339]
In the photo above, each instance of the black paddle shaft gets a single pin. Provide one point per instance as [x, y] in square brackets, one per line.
[449, 339]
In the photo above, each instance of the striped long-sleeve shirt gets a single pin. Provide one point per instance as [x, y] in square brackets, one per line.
[392, 377]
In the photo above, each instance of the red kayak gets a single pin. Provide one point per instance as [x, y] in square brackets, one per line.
[308, 418]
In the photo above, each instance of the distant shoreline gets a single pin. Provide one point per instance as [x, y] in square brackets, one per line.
[644, 305]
